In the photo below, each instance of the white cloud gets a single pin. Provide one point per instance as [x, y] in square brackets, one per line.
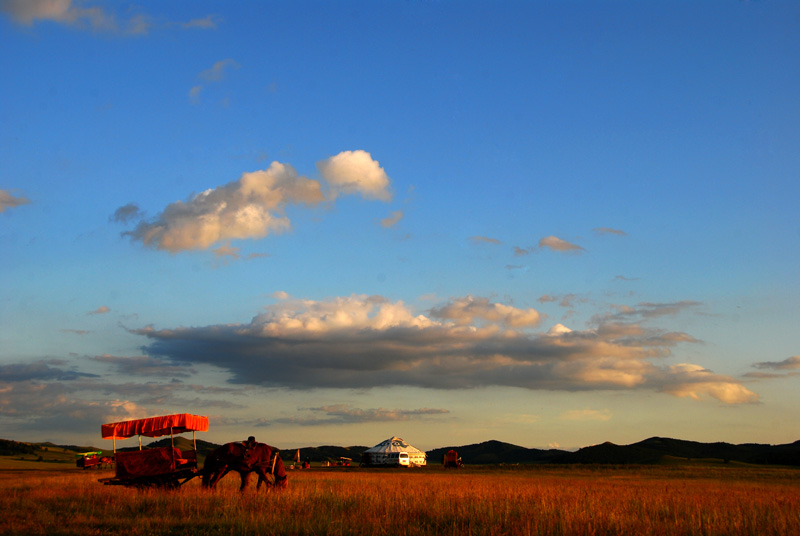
[688, 380]
[8, 200]
[99, 311]
[355, 172]
[249, 208]
[468, 310]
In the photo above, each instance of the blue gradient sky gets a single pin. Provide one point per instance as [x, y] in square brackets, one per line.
[547, 223]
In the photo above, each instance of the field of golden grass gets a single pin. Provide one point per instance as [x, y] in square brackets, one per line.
[663, 500]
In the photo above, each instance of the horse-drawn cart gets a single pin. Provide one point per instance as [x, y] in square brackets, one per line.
[155, 467]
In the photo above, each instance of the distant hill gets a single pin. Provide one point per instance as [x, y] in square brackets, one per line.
[654, 449]
[650, 451]
[326, 453]
[12, 448]
[494, 452]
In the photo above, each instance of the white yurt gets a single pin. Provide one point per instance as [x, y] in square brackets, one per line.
[394, 451]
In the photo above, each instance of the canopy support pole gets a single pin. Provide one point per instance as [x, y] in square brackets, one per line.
[140, 442]
[194, 441]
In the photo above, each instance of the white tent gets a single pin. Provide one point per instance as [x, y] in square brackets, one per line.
[394, 451]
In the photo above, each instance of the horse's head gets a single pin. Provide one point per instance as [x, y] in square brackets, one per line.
[281, 482]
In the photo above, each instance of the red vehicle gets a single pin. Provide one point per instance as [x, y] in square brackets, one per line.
[87, 460]
[159, 467]
[451, 460]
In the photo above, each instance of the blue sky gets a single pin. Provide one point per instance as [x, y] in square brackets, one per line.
[547, 223]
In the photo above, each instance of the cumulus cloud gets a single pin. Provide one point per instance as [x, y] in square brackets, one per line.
[557, 244]
[251, 207]
[8, 200]
[99, 311]
[355, 172]
[470, 310]
[687, 380]
[368, 341]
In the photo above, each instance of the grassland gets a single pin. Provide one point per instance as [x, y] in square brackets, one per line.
[53, 498]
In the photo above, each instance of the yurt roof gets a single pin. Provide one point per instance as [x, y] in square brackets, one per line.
[394, 444]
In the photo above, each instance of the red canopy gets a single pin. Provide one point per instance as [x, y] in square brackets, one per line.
[155, 426]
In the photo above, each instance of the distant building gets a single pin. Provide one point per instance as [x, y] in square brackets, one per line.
[393, 452]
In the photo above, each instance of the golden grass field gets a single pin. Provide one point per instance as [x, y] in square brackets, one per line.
[57, 498]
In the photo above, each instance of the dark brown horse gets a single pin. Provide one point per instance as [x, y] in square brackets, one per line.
[260, 459]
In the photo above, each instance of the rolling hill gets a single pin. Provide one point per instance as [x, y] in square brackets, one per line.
[650, 451]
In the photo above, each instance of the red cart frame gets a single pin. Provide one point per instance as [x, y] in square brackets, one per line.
[163, 466]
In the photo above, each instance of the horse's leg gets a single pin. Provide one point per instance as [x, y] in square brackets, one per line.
[218, 474]
[245, 476]
[262, 478]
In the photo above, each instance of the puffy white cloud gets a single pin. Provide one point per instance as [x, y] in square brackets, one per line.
[688, 380]
[469, 309]
[7, 200]
[368, 341]
[557, 244]
[251, 207]
[355, 172]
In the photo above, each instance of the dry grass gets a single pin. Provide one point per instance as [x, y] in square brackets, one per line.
[538, 500]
